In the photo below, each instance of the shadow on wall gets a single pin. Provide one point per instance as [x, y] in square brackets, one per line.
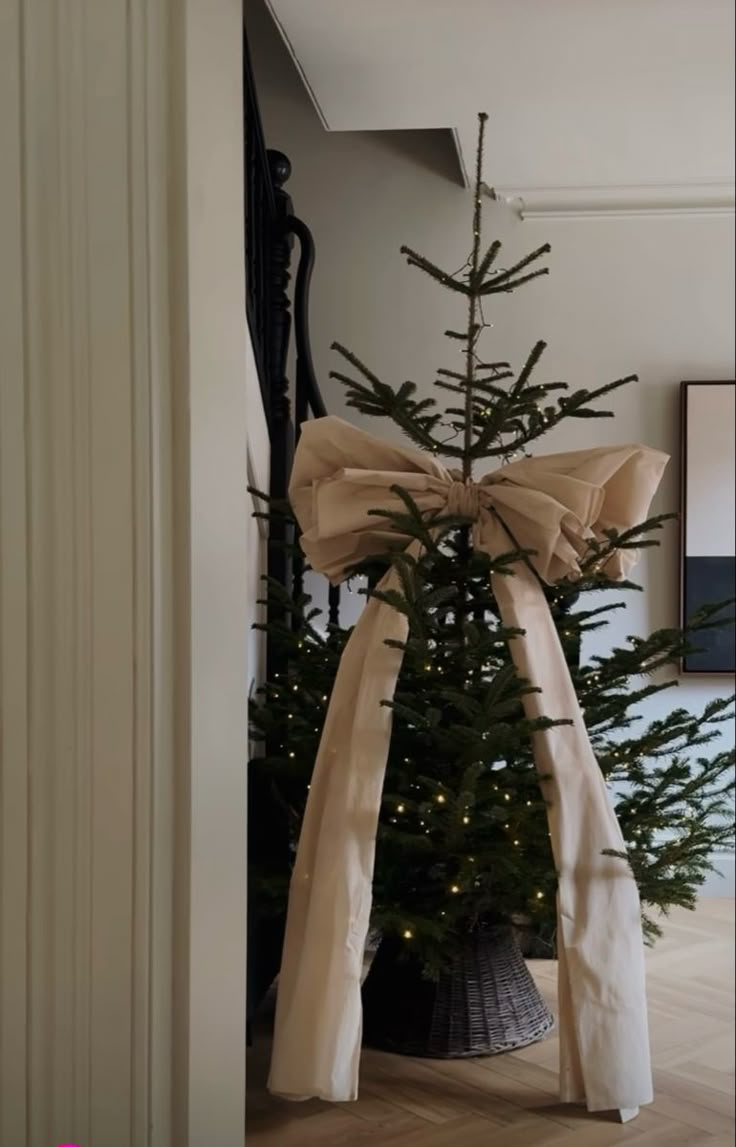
[430, 148]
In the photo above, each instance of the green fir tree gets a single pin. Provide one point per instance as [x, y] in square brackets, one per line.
[463, 836]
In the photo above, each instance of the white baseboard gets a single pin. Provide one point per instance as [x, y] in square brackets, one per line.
[722, 882]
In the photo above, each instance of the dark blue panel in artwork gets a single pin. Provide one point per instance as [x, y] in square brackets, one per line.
[708, 580]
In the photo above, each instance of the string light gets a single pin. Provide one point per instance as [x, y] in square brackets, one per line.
[516, 843]
[540, 896]
[292, 754]
[454, 888]
[466, 820]
[400, 808]
[408, 935]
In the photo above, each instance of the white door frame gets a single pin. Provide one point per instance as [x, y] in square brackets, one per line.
[124, 574]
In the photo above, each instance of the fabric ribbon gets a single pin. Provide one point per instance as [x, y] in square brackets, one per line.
[554, 506]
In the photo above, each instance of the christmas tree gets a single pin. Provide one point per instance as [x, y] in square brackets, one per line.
[463, 837]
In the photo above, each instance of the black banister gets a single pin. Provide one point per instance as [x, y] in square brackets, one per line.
[271, 226]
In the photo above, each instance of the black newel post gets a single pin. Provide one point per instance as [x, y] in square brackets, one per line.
[268, 842]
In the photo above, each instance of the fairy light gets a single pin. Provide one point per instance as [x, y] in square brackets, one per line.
[400, 808]
[516, 842]
[292, 754]
[408, 935]
[440, 799]
[540, 896]
[506, 797]
[454, 888]
[466, 820]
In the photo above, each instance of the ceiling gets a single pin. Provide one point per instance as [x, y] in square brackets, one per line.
[580, 93]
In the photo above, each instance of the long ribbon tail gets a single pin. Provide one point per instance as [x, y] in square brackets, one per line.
[604, 1040]
[318, 1023]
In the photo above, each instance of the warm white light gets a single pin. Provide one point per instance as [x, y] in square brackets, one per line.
[408, 935]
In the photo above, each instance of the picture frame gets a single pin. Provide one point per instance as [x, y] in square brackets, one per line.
[708, 517]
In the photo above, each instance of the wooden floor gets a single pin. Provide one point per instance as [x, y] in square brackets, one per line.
[510, 1100]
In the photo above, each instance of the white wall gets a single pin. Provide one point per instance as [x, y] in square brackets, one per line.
[648, 295]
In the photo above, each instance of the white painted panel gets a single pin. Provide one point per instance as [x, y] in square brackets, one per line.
[710, 508]
[81, 358]
[212, 415]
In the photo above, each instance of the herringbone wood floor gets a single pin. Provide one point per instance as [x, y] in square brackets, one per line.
[509, 1100]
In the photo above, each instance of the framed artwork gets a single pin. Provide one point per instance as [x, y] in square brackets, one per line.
[708, 516]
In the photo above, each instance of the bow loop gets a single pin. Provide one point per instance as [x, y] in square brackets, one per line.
[552, 506]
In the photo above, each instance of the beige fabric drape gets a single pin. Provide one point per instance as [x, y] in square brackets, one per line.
[553, 505]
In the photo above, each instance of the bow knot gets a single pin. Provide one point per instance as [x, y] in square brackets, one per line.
[463, 498]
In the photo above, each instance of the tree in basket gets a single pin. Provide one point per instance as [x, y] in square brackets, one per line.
[463, 863]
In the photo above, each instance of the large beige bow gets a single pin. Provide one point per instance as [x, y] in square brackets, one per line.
[554, 506]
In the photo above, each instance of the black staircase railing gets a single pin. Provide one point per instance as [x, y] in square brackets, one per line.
[275, 307]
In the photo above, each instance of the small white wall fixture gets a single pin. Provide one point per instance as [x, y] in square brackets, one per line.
[124, 574]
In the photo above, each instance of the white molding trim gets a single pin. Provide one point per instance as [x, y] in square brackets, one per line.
[707, 197]
[86, 760]
[211, 564]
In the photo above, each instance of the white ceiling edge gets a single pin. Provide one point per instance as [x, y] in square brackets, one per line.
[706, 197]
[454, 132]
[298, 65]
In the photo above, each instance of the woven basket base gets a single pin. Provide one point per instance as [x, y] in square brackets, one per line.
[486, 1004]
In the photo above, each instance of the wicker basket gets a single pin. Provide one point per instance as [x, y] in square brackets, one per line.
[486, 1004]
